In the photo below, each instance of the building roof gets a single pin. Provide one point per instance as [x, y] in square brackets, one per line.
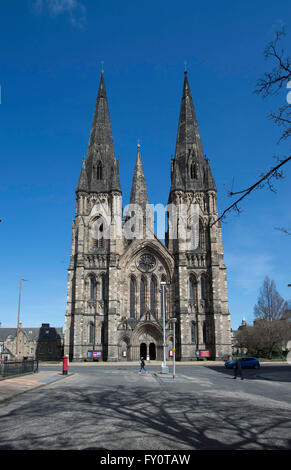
[33, 334]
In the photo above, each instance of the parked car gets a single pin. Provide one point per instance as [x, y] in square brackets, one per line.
[246, 363]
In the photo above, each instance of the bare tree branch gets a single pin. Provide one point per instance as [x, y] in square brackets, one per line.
[271, 83]
[273, 173]
[284, 230]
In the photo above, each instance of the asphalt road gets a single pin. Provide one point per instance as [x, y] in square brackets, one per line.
[115, 407]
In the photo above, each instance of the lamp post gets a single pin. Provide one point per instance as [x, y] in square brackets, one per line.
[18, 319]
[165, 369]
[173, 320]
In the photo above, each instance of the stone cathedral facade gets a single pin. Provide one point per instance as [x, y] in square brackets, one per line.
[114, 301]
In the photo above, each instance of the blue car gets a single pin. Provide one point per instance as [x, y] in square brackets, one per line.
[246, 363]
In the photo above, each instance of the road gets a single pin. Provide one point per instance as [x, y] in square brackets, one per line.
[115, 407]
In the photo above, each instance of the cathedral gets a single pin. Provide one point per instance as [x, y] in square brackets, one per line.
[125, 286]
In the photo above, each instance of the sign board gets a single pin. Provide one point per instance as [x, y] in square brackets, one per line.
[204, 353]
[171, 352]
[95, 354]
[124, 353]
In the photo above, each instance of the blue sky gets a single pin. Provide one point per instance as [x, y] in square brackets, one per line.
[51, 52]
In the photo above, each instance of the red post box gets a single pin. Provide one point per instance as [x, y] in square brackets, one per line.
[65, 365]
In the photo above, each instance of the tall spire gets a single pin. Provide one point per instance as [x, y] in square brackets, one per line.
[101, 163]
[139, 193]
[188, 132]
[101, 133]
[191, 169]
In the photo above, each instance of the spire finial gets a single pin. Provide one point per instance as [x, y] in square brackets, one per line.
[185, 63]
[138, 143]
[102, 66]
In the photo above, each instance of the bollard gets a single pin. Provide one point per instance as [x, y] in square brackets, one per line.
[65, 365]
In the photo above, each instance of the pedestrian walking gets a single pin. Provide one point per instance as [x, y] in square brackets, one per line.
[237, 370]
[142, 365]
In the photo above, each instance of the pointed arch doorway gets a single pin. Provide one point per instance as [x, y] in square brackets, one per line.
[143, 350]
[147, 340]
[152, 351]
[148, 349]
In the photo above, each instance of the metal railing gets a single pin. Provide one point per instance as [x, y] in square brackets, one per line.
[11, 368]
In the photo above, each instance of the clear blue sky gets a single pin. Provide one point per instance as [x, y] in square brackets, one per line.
[49, 75]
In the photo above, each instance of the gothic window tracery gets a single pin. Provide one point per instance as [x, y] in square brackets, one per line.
[192, 288]
[193, 171]
[142, 296]
[99, 171]
[92, 288]
[97, 232]
[91, 333]
[153, 294]
[203, 288]
[132, 297]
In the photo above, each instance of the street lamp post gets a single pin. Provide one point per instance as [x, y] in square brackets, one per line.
[173, 320]
[165, 369]
[18, 318]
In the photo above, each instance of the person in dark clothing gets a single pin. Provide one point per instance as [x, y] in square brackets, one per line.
[237, 370]
[142, 365]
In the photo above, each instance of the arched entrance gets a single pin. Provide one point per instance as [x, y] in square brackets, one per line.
[143, 350]
[147, 339]
[152, 351]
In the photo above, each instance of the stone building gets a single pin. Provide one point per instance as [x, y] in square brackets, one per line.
[114, 300]
[44, 343]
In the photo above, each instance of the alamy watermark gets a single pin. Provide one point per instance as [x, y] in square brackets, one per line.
[179, 221]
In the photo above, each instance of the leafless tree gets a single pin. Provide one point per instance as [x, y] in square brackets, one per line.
[271, 329]
[270, 305]
[270, 84]
[270, 336]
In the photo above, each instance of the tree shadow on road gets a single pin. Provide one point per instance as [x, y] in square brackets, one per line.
[140, 418]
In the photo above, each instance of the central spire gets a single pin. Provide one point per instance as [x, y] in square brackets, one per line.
[139, 194]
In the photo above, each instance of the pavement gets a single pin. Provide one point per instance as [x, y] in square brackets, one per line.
[11, 387]
[117, 408]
